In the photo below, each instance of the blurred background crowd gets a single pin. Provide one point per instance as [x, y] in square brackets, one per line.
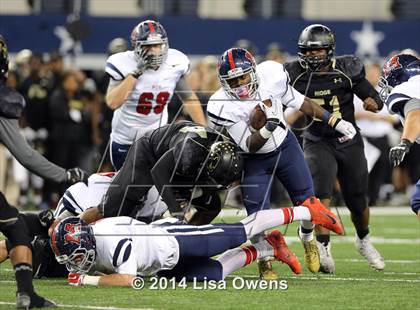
[66, 118]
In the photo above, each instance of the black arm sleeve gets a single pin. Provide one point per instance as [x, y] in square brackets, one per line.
[162, 173]
[364, 89]
[27, 156]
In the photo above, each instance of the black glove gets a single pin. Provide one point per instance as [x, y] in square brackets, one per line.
[75, 175]
[397, 153]
[46, 218]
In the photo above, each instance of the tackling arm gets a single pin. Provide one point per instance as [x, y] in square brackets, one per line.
[114, 279]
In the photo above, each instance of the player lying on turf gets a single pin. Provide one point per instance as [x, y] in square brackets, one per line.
[400, 83]
[122, 247]
[78, 198]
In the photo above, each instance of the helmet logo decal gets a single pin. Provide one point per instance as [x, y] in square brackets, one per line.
[392, 64]
[73, 233]
[236, 72]
[249, 57]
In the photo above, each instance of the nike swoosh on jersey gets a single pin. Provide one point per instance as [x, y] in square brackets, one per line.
[120, 150]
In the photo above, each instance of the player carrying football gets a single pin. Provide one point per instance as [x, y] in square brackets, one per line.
[272, 150]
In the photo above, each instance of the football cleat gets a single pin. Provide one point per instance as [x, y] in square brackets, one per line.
[281, 251]
[325, 257]
[322, 216]
[368, 251]
[23, 301]
[266, 271]
[311, 256]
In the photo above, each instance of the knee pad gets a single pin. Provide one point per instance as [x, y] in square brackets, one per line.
[17, 233]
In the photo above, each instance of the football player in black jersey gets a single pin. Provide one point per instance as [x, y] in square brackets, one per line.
[177, 156]
[332, 81]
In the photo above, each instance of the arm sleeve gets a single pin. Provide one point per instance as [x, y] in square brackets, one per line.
[161, 173]
[28, 157]
[363, 89]
[182, 89]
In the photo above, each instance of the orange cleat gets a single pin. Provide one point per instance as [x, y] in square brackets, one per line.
[282, 253]
[322, 216]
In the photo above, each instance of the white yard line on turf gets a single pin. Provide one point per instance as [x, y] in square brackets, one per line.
[333, 278]
[392, 261]
[84, 307]
[405, 210]
[377, 240]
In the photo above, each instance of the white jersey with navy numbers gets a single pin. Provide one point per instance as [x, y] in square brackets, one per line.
[127, 246]
[234, 114]
[79, 197]
[146, 106]
[401, 94]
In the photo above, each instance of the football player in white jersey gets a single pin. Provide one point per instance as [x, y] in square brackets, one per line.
[400, 83]
[80, 196]
[272, 150]
[122, 248]
[142, 82]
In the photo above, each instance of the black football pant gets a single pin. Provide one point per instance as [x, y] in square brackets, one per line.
[329, 159]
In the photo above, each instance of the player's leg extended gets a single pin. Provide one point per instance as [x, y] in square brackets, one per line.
[415, 200]
[353, 178]
[210, 240]
[295, 176]
[323, 166]
[256, 191]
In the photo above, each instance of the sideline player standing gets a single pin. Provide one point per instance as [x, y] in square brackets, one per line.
[331, 82]
[142, 82]
[400, 90]
[11, 105]
[273, 150]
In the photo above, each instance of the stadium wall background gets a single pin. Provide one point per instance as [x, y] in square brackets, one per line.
[197, 37]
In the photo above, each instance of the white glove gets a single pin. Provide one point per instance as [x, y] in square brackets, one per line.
[272, 114]
[345, 128]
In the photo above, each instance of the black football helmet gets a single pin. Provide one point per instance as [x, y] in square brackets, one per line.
[315, 37]
[150, 32]
[224, 164]
[4, 58]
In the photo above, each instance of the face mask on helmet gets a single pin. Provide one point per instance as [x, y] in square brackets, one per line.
[224, 165]
[237, 74]
[152, 36]
[316, 37]
[385, 88]
[74, 245]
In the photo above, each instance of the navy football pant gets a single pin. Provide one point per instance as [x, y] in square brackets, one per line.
[287, 163]
[197, 244]
[118, 153]
[415, 200]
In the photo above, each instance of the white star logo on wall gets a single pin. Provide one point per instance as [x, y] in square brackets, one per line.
[367, 40]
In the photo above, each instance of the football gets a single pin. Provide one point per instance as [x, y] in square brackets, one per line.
[257, 118]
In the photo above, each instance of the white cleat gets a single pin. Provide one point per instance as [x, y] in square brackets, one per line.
[325, 257]
[368, 251]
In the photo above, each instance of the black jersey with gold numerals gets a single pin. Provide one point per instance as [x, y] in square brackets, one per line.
[333, 90]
